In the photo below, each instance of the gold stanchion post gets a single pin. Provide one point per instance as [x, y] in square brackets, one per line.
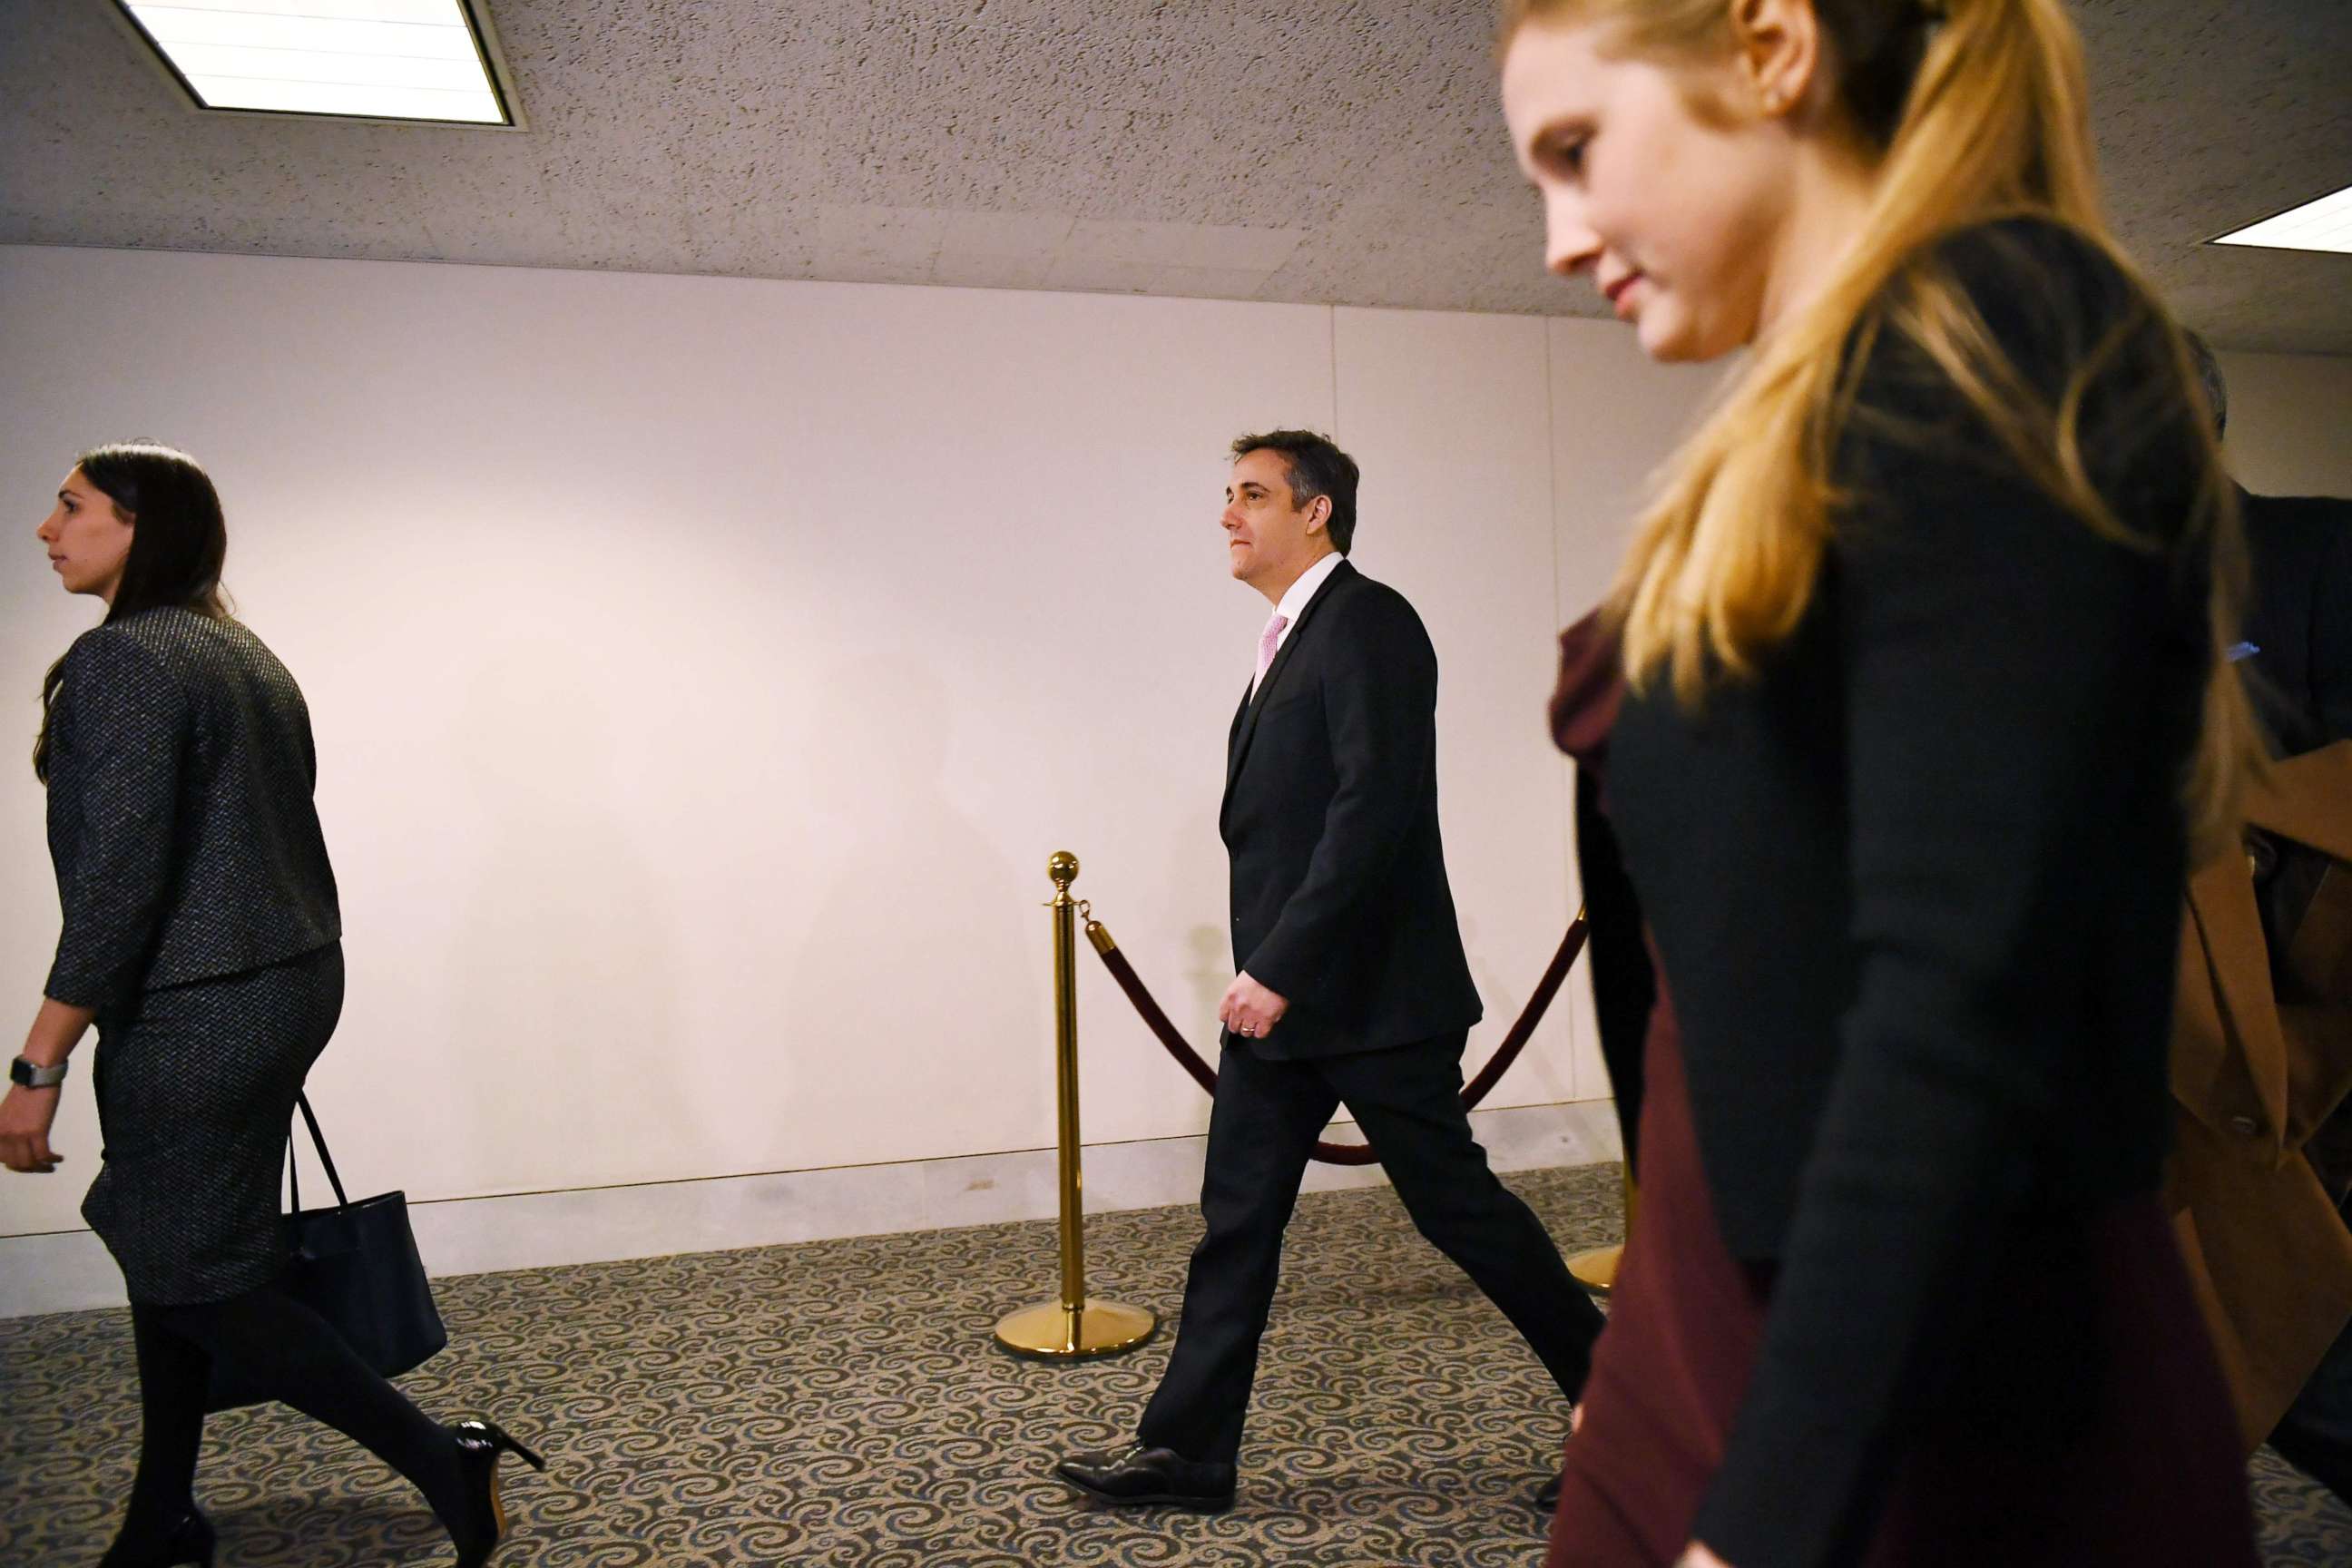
[1597, 1270]
[1072, 1327]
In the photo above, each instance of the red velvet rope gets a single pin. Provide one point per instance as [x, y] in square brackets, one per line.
[1476, 1089]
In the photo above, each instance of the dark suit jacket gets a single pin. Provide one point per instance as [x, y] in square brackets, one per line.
[2300, 616]
[1585, 703]
[181, 825]
[1339, 898]
[1916, 888]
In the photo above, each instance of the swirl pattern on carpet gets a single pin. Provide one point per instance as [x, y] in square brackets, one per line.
[841, 1403]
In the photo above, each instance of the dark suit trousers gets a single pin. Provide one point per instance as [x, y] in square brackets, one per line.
[1261, 1132]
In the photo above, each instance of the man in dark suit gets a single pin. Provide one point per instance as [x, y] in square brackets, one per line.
[1353, 988]
[2299, 618]
[2298, 635]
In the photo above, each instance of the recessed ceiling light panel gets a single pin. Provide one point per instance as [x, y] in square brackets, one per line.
[372, 59]
[2323, 224]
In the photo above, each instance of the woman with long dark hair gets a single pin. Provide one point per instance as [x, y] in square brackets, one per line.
[203, 938]
[1924, 715]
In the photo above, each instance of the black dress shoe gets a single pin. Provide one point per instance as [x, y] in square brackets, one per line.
[187, 1539]
[1548, 1496]
[1137, 1476]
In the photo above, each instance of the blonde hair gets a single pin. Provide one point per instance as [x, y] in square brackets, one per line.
[1979, 112]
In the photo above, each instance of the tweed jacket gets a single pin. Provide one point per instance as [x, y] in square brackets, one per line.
[180, 814]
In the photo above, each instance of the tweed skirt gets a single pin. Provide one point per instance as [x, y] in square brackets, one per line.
[196, 1088]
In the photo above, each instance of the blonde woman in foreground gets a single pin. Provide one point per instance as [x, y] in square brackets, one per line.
[1924, 716]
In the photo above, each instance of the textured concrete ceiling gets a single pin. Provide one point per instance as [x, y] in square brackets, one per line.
[1320, 151]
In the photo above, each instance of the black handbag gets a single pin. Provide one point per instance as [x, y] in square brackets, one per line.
[356, 1266]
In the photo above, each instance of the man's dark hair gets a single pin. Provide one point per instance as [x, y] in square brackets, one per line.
[1317, 468]
[2209, 379]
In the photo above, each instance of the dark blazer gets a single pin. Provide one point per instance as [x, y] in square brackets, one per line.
[1917, 887]
[2300, 616]
[1584, 707]
[181, 822]
[1339, 898]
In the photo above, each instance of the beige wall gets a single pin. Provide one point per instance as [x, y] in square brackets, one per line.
[703, 671]
[2290, 423]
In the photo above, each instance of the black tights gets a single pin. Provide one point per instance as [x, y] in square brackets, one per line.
[306, 1363]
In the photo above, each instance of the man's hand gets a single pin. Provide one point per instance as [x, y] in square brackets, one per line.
[1250, 1008]
[25, 1118]
[1697, 1556]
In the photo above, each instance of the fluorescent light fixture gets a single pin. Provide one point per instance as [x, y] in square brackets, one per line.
[2323, 224]
[370, 59]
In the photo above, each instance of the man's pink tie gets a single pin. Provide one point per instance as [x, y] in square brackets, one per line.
[1268, 641]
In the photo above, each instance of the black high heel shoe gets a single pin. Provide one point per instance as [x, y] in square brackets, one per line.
[479, 1443]
[189, 1540]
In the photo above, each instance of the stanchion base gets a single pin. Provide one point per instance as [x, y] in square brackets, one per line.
[1597, 1270]
[1053, 1332]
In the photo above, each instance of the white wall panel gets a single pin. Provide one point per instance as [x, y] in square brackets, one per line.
[703, 671]
[1449, 417]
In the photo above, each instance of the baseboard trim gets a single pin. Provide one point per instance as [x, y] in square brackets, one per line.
[68, 1271]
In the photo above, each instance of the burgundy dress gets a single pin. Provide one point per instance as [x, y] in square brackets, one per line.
[2150, 1478]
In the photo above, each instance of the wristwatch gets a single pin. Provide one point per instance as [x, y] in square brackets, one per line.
[28, 1076]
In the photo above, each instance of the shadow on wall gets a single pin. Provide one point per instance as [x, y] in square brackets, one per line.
[1533, 1077]
[1208, 949]
[565, 950]
[903, 997]
[1208, 977]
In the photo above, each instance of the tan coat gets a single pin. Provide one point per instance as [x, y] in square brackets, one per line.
[2270, 1257]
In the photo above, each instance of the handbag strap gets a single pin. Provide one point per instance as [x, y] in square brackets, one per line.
[317, 1141]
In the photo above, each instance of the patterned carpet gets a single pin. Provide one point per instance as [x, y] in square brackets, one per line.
[839, 1403]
